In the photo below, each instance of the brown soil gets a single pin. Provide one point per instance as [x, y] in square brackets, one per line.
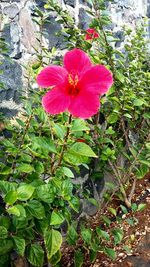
[136, 237]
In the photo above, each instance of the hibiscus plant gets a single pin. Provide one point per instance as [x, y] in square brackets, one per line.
[90, 108]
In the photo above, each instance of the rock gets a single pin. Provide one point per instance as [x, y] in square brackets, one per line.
[15, 40]
[12, 81]
[28, 37]
[11, 10]
[70, 2]
[84, 19]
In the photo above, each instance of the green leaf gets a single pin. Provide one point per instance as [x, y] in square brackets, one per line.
[45, 193]
[3, 232]
[4, 260]
[78, 258]
[66, 189]
[141, 207]
[118, 235]
[106, 220]
[110, 253]
[140, 173]
[55, 258]
[79, 125]
[6, 246]
[14, 211]
[138, 102]
[53, 241]
[19, 245]
[56, 218]
[21, 210]
[39, 167]
[127, 115]
[5, 186]
[24, 167]
[74, 203]
[6, 170]
[74, 158]
[45, 143]
[112, 118]
[25, 192]
[67, 172]
[93, 255]
[102, 234]
[36, 209]
[11, 197]
[110, 130]
[5, 221]
[86, 235]
[124, 209]
[35, 255]
[20, 122]
[113, 211]
[72, 235]
[82, 149]
[59, 130]
[120, 76]
[134, 207]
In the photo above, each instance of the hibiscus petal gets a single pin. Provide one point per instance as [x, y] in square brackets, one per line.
[55, 101]
[76, 61]
[91, 34]
[97, 80]
[84, 105]
[52, 75]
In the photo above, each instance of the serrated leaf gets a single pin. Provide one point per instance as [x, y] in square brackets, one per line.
[72, 235]
[35, 255]
[113, 211]
[24, 167]
[44, 143]
[110, 253]
[74, 203]
[78, 258]
[112, 118]
[82, 149]
[53, 241]
[67, 172]
[3, 232]
[106, 220]
[11, 197]
[118, 235]
[36, 209]
[5, 186]
[56, 218]
[19, 245]
[102, 234]
[25, 192]
[6, 246]
[79, 125]
[141, 206]
[14, 211]
[86, 235]
[138, 102]
[45, 193]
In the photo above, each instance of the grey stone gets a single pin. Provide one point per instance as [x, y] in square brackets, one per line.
[70, 2]
[84, 19]
[15, 40]
[28, 30]
[11, 11]
[50, 32]
[12, 80]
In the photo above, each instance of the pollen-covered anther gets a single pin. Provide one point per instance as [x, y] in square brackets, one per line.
[73, 81]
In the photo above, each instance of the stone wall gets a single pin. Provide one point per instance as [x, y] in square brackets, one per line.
[18, 28]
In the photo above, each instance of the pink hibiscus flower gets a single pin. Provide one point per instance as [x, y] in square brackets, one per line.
[91, 34]
[76, 86]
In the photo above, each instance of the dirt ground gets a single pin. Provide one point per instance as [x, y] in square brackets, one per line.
[136, 237]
